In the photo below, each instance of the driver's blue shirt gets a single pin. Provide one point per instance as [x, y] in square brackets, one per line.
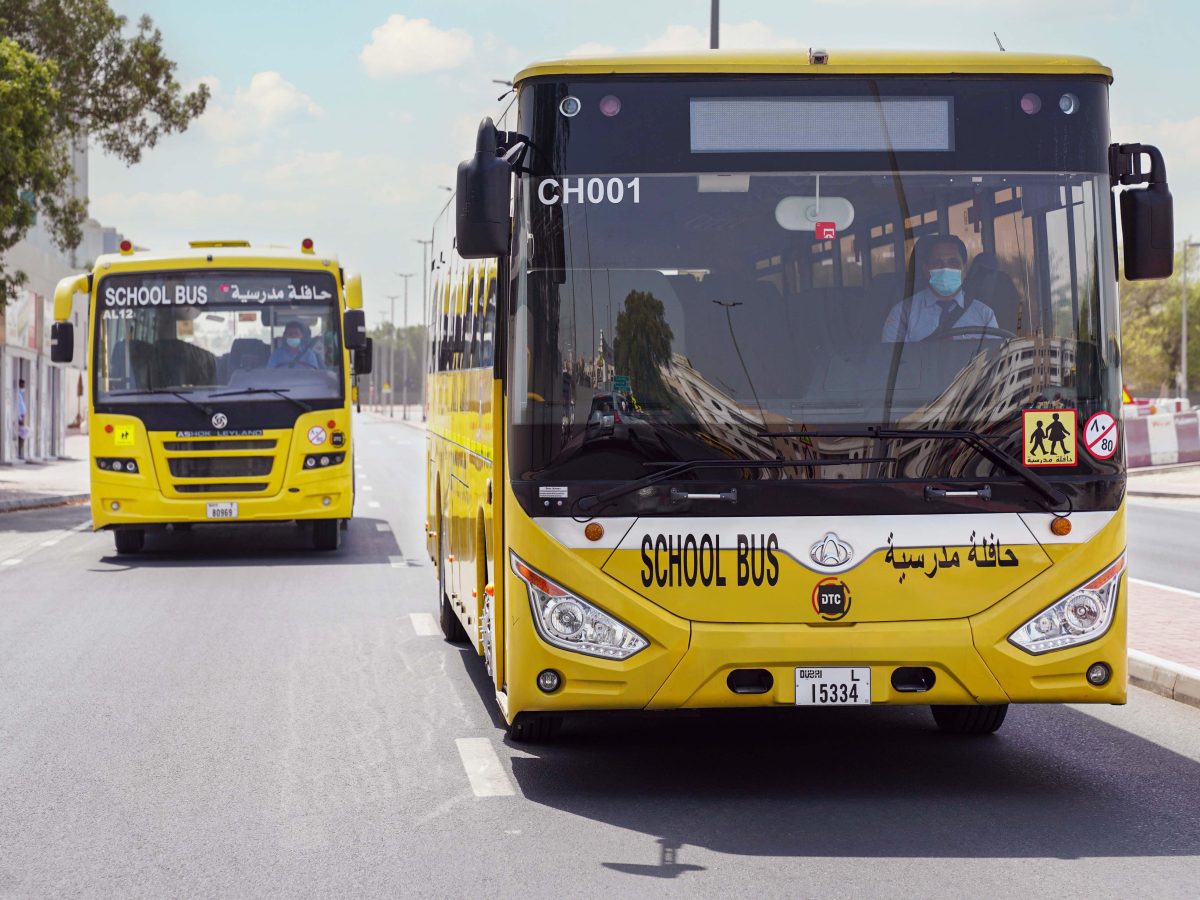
[925, 314]
[282, 357]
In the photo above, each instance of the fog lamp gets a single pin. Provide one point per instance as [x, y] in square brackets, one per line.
[114, 506]
[1098, 674]
[325, 501]
[548, 681]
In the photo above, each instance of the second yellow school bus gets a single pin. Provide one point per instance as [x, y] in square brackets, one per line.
[788, 379]
[220, 387]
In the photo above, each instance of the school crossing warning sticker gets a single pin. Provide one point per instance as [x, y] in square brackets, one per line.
[1050, 437]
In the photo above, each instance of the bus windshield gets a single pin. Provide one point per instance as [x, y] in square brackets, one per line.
[660, 318]
[241, 332]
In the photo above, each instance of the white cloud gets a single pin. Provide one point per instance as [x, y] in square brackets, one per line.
[269, 101]
[592, 48]
[404, 46]
[752, 35]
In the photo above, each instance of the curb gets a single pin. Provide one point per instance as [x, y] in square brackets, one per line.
[1164, 495]
[1163, 677]
[49, 500]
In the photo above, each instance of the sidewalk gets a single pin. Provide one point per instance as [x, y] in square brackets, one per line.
[380, 415]
[36, 485]
[1180, 482]
[1164, 640]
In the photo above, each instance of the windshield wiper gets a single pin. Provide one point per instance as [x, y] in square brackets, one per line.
[278, 392]
[592, 501]
[180, 394]
[972, 439]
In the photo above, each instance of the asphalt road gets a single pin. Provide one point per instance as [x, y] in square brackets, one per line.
[1163, 539]
[230, 714]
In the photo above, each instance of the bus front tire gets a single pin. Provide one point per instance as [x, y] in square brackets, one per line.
[969, 719]
[129, 540]
[534, 728]
[327, 534]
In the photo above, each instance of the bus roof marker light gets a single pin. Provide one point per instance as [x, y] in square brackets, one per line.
[610, 105]
[1031, 104]
[306, 245]
[570, 106]
[126, 247]
[1069, 104]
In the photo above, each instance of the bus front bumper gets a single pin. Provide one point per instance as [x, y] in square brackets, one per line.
[972, 663]
[116, 504]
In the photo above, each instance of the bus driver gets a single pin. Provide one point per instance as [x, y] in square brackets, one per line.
[941, 305]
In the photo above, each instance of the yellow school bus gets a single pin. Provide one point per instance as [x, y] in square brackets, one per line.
[220, 381]
[778, 379]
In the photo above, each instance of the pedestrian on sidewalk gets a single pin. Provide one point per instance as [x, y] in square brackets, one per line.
[22, 411]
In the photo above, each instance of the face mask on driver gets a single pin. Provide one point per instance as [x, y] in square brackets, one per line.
[294, 343]
[946, 282]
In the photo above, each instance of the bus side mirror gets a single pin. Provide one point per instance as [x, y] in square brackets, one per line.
[355, 329]
[1147, 216]
[364, 358]
[481, 210]
[62, 342]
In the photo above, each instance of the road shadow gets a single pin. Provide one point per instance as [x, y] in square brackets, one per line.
[256, 544]
[46, 518]
[879, 783]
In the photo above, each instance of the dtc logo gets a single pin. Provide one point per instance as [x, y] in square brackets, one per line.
[831, 599]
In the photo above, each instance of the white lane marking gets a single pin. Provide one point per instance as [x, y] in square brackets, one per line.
[425, 624]
[398, 562]
[1166, 587]
[11, 562]
[366, 487]
[374, 504]
[50, 543]
[382, 526]
[487, 776]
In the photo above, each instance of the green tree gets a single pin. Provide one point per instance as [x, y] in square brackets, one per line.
[1150, 323]
[112, 85]
[642, 346]
[29, 163]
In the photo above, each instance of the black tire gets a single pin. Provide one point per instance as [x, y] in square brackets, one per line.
[129, 540]
[327, 534]
[452, 629]
[534, 728]
[969, 719]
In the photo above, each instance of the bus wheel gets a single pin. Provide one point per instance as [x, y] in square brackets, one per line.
[969, 719]
[534, 728]
[327, 534]
[129, 540]
[487, 634]
[452, 629]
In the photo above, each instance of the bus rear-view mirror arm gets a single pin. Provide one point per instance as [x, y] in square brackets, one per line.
[1147, 216]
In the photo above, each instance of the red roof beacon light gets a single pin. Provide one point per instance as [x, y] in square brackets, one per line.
[307, 245]
[126, 247]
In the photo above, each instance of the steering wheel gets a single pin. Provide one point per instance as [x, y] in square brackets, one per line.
[971, 330]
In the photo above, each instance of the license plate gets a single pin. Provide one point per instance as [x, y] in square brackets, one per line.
[222, 510]
[826, 686]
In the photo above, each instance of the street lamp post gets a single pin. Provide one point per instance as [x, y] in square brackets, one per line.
[404, 373]
[1183, 322]
[425, 245]
[392, 357]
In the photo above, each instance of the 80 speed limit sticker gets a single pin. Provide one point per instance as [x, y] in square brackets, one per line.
[1100, 435]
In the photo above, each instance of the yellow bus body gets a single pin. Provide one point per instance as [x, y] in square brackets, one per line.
[149, 498]
[958, 628]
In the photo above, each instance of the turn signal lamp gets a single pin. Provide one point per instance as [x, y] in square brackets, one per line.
[306, 245]
[594, 531]
[1081, 616]
[569, 622]
[1061, 526]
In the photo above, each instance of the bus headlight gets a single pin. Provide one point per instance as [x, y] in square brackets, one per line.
[1082, 616]
[570, 622]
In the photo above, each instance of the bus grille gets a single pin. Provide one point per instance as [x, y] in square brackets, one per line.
[220, 466]
[218, 446]
[242, 487]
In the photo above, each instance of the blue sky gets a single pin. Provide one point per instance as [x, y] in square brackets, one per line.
[340, 121]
